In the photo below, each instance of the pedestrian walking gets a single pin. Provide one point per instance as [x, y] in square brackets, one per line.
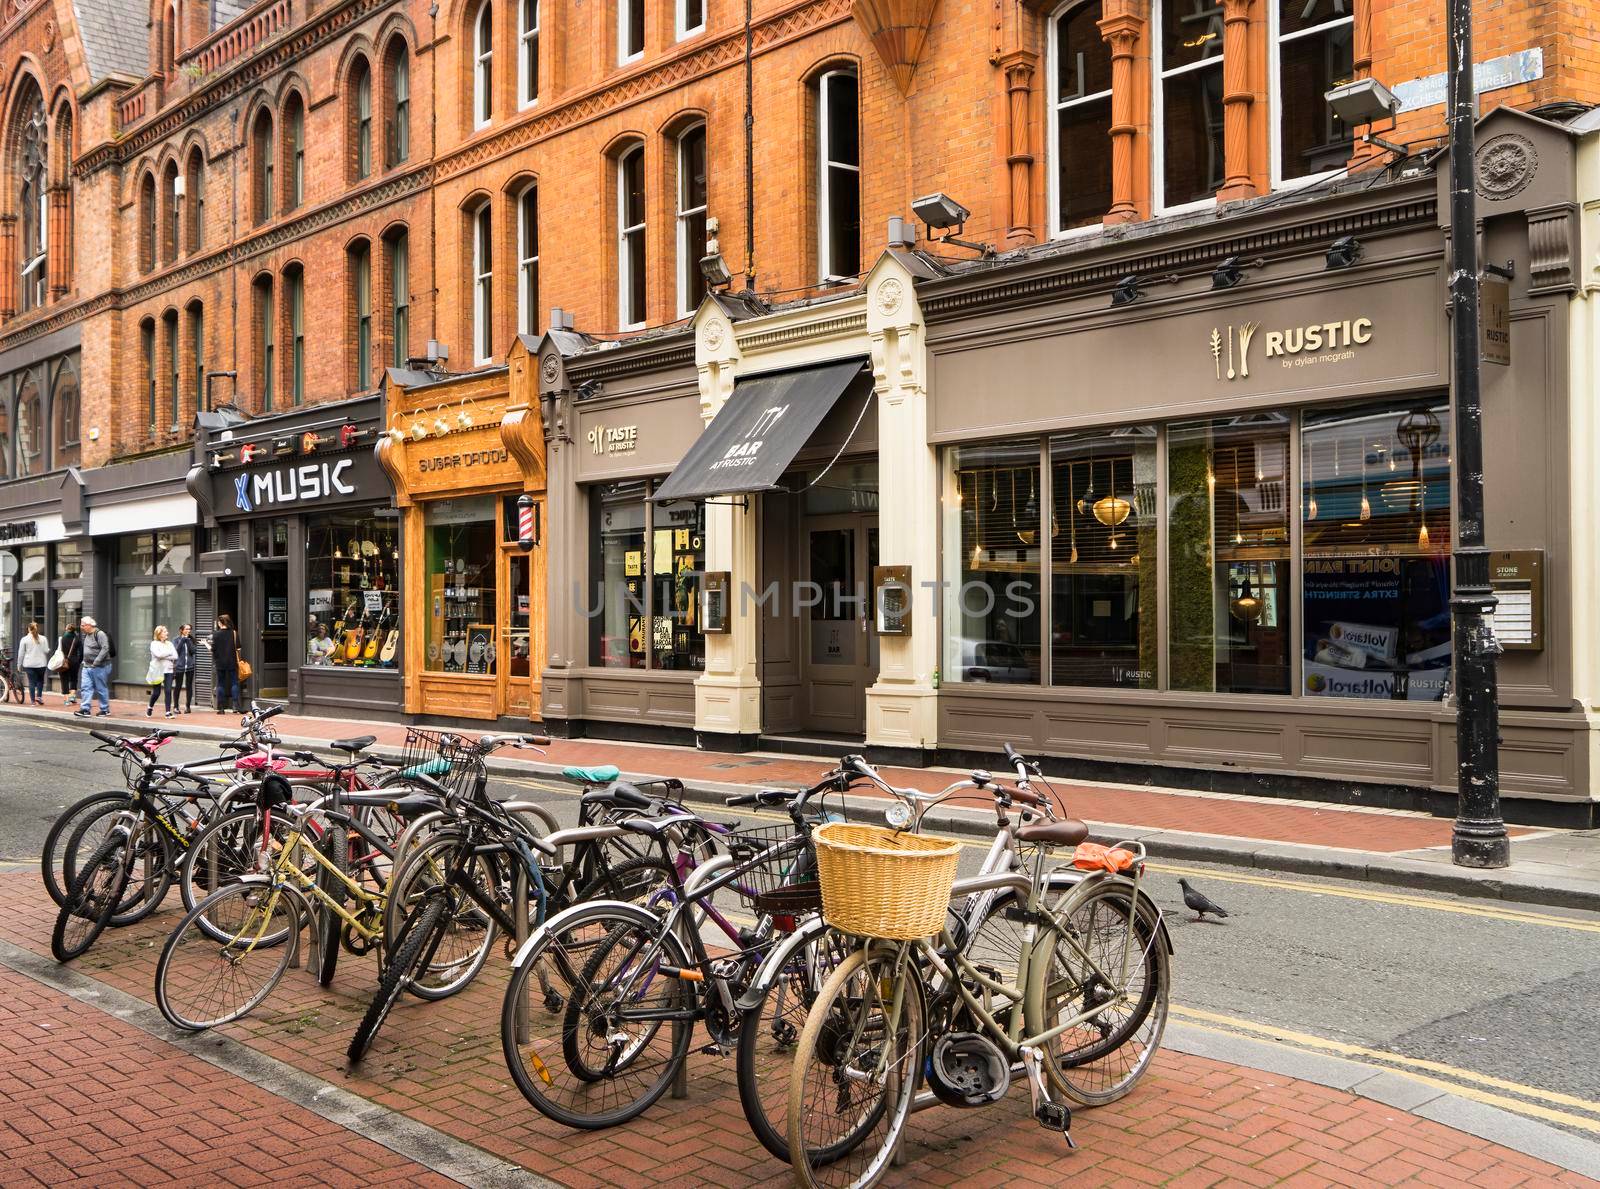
[94, 676]
[163, 656]
[183, 670]
[225, 663]
[33, 658]
[71, 646]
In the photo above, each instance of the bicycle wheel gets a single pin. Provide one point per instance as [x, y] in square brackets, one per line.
[470, 932]
[419, 937]
[151, 867]
[610, 1030]
[203, 980]
[335, 848]
[856, 1070]
[769, 1031]
[1111, 960]
[58, 864]
[227, 850]
[633, 881]
[92, 900]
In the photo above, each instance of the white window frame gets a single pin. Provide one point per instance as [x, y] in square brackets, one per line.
[681, 16]
[527, 41]
[482, 285]
[399, 146]
[1158, 170]
[825, 169]
[1275, 91]
[625, 277]
[527, 263]
[689, 254]
[625, 10]
[365, 161]
[483, 65]
[1056, 105]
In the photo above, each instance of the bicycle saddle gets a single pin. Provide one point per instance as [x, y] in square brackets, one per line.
[354, 744]
[1065, 833]
[597, 774]
[618, 793]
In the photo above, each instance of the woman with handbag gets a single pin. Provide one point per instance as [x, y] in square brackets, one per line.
[225, 661]
[33, 658]
[71, 650]
[183, 671]
[159, 676]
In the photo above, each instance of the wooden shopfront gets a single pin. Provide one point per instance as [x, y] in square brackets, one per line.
[462, 452]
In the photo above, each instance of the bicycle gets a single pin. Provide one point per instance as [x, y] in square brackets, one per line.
[1083, 1014]
[12, 686]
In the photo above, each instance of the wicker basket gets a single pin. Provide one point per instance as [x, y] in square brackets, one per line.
[878, 882]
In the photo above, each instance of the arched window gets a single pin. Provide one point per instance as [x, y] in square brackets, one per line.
[527, 52]
[264, 315]
[1316, 52]
[174, 358]
[838, 175]
[479, 227]
[1188, 112]
[172, 211]
[169, 41]
[195, 196]
[147, 361]
[261, 165]
[1080, 115]
[397, 131]
[632, 279]
[528, 260]
[691, 218]
[64, 413]
[361, 119]
[149, 223]
[30, 425]
[33, 203]
[483, 65]
[197, 351]
[294, 309]
[294, 151]
[399, 296]
[360, 270]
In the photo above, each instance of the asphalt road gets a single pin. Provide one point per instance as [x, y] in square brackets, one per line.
[1476, 989]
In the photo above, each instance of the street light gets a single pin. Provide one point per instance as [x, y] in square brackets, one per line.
[1479, 838]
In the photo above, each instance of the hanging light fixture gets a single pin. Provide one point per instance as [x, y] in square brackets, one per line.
[1112, 510]
[1072, 515]
[1311, 481]
[1246, 605]
[1030, 510]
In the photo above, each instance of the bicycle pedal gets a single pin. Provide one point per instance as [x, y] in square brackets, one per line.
[714, 1050]
[1056, 1116]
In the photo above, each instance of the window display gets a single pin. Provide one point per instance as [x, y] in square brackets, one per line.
[647, 563]
[353, 594]
[1375, 509]
[149, 591]
[461, 541]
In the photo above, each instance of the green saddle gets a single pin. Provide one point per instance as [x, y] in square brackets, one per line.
[599, 774]
[434, 767]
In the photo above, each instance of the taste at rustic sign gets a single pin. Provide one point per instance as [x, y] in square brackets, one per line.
[614, 439]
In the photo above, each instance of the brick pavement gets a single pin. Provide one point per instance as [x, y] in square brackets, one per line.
[1349, 827]
[1193, 1121]
[88, 1099]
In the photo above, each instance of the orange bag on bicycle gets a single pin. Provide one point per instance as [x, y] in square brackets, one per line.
[1091, 856]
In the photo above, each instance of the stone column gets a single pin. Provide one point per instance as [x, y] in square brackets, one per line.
[727, 696]
[1122, 32]
[902, 705]
[1019, 68]
[60, 262]
[1236, 101]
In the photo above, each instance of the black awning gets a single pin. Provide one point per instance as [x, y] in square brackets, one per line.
[754, 438]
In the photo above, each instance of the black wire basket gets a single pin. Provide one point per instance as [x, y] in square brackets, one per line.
[442, 756]
[782, 874]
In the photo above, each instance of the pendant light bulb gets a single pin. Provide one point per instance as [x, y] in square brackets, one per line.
[1366, 508]
[1312, 510]
[1422, 537]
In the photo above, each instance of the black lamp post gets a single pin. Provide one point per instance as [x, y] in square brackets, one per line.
[1479, 839]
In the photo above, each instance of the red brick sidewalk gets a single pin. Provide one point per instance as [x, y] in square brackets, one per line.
[1192, 1122]
[1346, 827]
[85, 1098]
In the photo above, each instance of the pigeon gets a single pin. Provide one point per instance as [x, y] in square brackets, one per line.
[1199, 904]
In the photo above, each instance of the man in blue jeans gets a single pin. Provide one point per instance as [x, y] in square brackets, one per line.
[94, 679]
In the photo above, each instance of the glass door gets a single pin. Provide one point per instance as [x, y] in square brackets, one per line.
[839, 650]
[271, 679]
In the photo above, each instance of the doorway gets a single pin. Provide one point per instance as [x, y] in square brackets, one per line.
[272, 672]
[839, 649]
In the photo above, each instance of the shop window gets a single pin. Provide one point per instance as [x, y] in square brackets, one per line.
[1316, 52]
[269, 538]
[993, 598]
[483, 65]
[1229, 573]
[691, 17]
[361, 119]
[632, 281]
[34, 563]
[68, 585]
[149, 590]
[1080, 104]
[691, 219]
[528, 260]
[1189, 164]
[645, 570]
[33, 203]
[630, 30]
[64, 404]
[399, 298]
[1102, 531]
[397, 133]
[195, 196]
[30, 426]
[261, 166]
[353, 589]
[1375, 509]
[294, 149]
[519, 590]
[528, 52]
[460, 542]
[838, 176]
[482, 285]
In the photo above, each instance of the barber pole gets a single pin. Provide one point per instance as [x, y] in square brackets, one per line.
[525, 521]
